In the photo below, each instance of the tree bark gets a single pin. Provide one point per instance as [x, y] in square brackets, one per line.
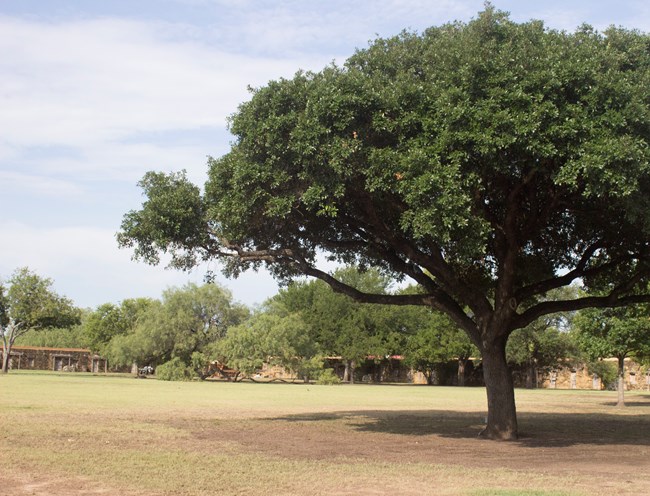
[5, 362]
[531, 376]
[502, 413]
[6, 353]
[461, 371]
[621, 382]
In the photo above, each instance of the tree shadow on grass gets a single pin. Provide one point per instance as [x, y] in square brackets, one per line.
[536, 429]
[630, 404]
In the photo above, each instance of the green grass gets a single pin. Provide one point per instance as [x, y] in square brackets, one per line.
[128, 436]
[87, 392]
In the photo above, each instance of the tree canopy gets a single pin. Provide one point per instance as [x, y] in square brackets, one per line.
[30, 303]
[342, 327]
[272, 339]
[109, 320]
[615, 333]
[183, 322]
[545, 343]
[488, 161]
[435, 342]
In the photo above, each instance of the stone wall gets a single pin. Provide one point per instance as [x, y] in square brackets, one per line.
[57, 359]
[636, 377]
[393, 370]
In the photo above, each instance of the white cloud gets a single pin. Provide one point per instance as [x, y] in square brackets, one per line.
[40, 185]
[293, 27]
[88, 268]
[95, 100]
[91, 84]
[126, 162]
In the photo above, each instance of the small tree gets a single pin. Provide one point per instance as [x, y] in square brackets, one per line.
[606, 371]
[615, 333]
[109, 320]
[273, 339]
[174, 370]
[437, 342]
[546, 342]
[540, 347]
[341, 326]
[241, 348]
[185, 321]
[29, 303]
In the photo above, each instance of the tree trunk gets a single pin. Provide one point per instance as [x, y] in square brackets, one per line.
[531, 376]
[346, 372]
[621, 382]
[5, 362]
[461, 371]
[352, 371]
[502, 413]
[6, 356]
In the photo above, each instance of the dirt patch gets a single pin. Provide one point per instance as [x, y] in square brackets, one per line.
[196, 440]
[597, 452]
[44, 485]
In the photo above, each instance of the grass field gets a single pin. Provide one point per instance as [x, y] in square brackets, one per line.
[80, 434]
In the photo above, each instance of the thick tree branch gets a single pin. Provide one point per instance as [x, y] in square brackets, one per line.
[434, 261]
[510, 246]
[542, 287]
[440, 300]
[434, 297]
[550, 307]
[580, 271]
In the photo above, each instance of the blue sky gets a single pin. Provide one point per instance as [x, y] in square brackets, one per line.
[95, 93]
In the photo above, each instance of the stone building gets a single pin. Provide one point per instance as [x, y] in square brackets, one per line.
[636, 377]
[392, 370]
[68, 359]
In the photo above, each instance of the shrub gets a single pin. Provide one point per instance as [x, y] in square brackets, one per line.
[327, 377]
[605, 370]
[174, 370]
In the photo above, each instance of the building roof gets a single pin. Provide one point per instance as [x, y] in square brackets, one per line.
[43, 348]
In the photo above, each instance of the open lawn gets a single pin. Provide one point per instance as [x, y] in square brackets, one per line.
[80, 434]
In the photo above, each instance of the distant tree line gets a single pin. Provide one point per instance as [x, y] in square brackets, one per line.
[190, 327]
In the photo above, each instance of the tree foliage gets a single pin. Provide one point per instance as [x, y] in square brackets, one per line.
[488, 161]
[615, 333]
[343, 327]
[174, 370]
[545, 343]
[272, 339]
[184, 321]
[109, 320]
[29, 303]
[437, 341]
[57, 337]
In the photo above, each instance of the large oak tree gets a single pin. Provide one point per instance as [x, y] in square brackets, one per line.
[490, 162]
